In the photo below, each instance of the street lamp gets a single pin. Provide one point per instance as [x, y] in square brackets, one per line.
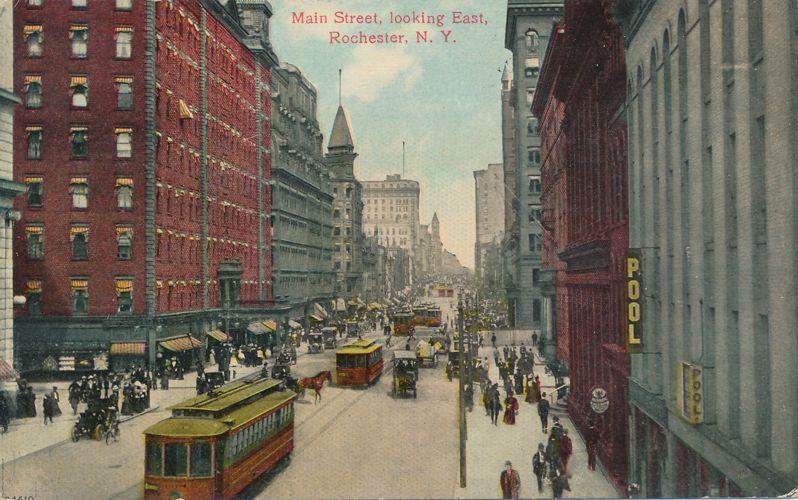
[461, 393]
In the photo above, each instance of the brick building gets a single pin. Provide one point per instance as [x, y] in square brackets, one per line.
[144, 144]
[579, 105]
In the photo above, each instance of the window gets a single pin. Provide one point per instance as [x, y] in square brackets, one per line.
[532, 125]
[534, 243]
[530, 96]
[124, 240]
[35, 236]
[33, 91]
[348, 191]
[79, 40]
[80, 91]
[79, 236]
[35, 3]
[79, 137]
[535, 309]
[124, 142]
[80, 296]
[532, 39]
[154, 459]
[535, 276]
[35, 187]
[534, 213]
[34, 291]
[124, 192]
[79, 189]
[532, 67]
[80, 4]
[124, 42]
[336, 213]
[124, 93]
[175, 460]
[534, 184]
[337, 231]
[533, 155]
[124, 4]
[34, 143]
[34, 38]
[124, 295]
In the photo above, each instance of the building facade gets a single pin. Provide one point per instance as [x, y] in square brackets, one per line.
[527, 34]
[712, 179]
[489, 196]
[302, 196]
[144, 145]
[579, 104]
[347, 219]
[390, 213]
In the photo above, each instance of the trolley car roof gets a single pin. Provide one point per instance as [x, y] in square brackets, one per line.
[363, 346]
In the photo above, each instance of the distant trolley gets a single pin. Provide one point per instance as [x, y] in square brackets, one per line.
[403, 323]
[432, 316]
[358, 364]
[215, 445]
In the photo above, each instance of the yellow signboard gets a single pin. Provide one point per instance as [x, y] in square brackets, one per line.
[690, 392]
[634, 291]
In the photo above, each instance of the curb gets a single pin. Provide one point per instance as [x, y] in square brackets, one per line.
[131, 417]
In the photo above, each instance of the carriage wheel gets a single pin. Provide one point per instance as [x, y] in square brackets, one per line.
[75, 435]
[98, 432]
[109, 437]
[414, 394]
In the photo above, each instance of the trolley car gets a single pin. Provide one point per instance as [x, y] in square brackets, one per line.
[403, 323]
[215, 445]
[432, 316]
[358, 364]
[419, 315]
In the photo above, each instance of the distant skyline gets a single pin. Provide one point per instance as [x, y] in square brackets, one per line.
[443, 100]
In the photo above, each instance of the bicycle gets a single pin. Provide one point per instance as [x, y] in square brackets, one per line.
[112, 434]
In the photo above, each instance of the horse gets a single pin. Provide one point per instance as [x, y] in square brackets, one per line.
[316, 383]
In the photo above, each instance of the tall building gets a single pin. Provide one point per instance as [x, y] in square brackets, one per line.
[8, 190]
[302, 196]
[489, 196]
[390, 213]
[527, 34]
[144, 144]
[579, 103]
[711, 114]
[347, 218]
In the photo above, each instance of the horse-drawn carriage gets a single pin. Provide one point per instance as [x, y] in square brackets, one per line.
[282, 366]
[440, 340]
[315, 342]
[100, 420]
[405, 373]
[353, 328]
[287, 354]
[453, 366]
[330, 335]
[425, 352]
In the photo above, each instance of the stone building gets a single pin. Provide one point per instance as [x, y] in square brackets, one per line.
[390, 213]
[579, 102]
[347, 220]
[711, 113]
[302, 196]
[489, 197]
[526, 35]
[8, 190]
[144, 144]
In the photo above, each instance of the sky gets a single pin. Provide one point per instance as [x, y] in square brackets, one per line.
[442, 99]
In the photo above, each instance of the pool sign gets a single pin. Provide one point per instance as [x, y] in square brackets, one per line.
[598, 400]
[634, 290]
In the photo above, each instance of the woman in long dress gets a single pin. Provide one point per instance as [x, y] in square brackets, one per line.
[510, 409]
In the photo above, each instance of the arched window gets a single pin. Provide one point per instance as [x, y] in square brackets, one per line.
[33, 92]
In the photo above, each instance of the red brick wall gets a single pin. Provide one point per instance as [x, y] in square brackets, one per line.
[56, 116]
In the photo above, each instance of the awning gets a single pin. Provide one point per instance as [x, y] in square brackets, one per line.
[316, 317]
[6, 372]
[270, 325]
[128, 348]
[256, 328]
[219, 335]
[318, 309]
[178, 344]
[294, 324]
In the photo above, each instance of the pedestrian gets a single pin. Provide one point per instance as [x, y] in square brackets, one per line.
[510, 409]
[74, 396]
[31, 401]
[493, 340]
[56, 399]
[559, 483]
[495, 405]
[591, 443]
[566, 449]
[538, 396]
[539, 465]
[530, 391]
[510, 481]
[165, 379]
[47, 408]
[534, 339]
[543, 412]
[519, 382]
[5, 412]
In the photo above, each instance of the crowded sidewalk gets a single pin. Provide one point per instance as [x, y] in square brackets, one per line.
[490, 446]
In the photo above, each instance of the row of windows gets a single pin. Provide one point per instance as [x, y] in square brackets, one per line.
[83, 4]
[79, 241]
[375, 201]
[243, 441]
[79, 142]
[78, 88]
[179, 459]
[358, 360]
[79, 192]
[78, 40]
[79, 289]
[386, 209]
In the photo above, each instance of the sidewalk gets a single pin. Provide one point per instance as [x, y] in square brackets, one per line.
[29, 435]
[489, 446]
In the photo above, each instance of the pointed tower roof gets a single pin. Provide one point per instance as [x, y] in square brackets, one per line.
[506, 75]
[341, 136]
[435, 218]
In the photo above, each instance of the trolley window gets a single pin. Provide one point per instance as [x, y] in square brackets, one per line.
[154, 459]
[175, 460]
[200, 459]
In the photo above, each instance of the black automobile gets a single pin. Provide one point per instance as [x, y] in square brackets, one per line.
[281, 370]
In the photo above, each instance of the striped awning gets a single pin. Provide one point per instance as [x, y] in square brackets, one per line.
[123, 130]
[123, 29]
[185, 343]
[33, 128]
[32, 78]
[78, 283]
[6, 372]
[32, 28]
[270, 325]
[218, 335]
[124, 285]
[78, 27]
[34, 286]
[124, 181]
[256, 328]
[79, 180]
[34, 229]
[33, 179]
[316, 317]
[294, 324]
[77, 81]
[122, 229]
[123, 79]
[128, 348]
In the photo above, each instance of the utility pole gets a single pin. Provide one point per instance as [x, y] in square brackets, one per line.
[461, 393]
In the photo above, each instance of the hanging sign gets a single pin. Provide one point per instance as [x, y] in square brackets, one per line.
[634, 291]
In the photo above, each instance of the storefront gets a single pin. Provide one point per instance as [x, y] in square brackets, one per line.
[127, 356]
[216, 339]
[184, 351]
[262, 333]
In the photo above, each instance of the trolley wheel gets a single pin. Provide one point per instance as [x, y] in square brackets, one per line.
[75, 435]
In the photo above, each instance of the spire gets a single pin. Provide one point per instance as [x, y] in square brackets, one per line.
[435, 218]
[341, 136]
[506, 73]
